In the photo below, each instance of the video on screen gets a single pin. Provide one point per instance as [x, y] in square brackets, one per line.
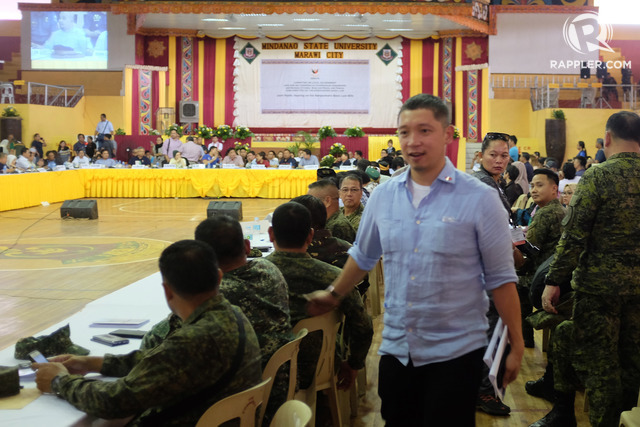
[69, 40]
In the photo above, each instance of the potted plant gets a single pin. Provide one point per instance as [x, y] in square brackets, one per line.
[555, 134]
[224, 132]
[205, 132]
[11, 123]
[308, 140]
[326, 132]
[337, 149]
[354, 132]
[327, 161]
[242, 132]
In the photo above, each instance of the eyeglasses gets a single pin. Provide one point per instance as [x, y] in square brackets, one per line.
[497, 135]
[350, 190]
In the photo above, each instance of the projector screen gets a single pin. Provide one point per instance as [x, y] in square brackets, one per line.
[69, 40]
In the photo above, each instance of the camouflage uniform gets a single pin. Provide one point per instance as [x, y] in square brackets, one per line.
[340, 227]
[304, 275]
[175, 372]
[599, 246]
[329, 249]
[354, 218]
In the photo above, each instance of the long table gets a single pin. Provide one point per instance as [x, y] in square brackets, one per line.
[31, 189]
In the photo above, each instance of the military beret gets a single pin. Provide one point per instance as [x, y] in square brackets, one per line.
[322, 173]
[373, 173]
[9, 381]
[59, 342]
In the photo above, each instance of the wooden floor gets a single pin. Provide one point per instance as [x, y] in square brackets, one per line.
[50, 268]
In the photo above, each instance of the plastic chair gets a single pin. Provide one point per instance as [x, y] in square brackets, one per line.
[325, 379]
[286, 353]
[6, 93]
[292, 413]
[631, 418]
[241, 405]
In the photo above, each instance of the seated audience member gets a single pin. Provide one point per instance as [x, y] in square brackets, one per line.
[192, 151]
[600, 157]
[215, 142]
[280, 155]
[8, 144]
[273, 159]
[91, 148]
[396, 164]
[80, 159]
[242, 152]
[343, 161]
[232, 158]
[339, 226]
[212, 158]
[374, 176]
[363, 164]
[177, 381]
[4, 168]
[139, 158]
[105, 159]
[522, 180]
[10, 163]
[525, 158]
[251, 159]
[79, 145]
[291, 234]
[149, 156]
[580, 163]
[25, 162]
[512, 191]
[261, 159]
[570, 177]
[178, 160]
[384, 157]
[287, 159]
[308, 159]
[110, 145]
[357, 157]
[52, 160]
[582, 151]
[64, 152]
[324, 246]
[17, 146]
[551, 163]
[351, 195]
[39, 163]
[567, 194]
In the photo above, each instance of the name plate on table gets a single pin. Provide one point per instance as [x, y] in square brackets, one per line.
[59, 168]
[284, 167]
[140, 166]
[311, 167]
[168, 166]
[228, 166]
[197, 166]
[258, 167]
[347, 168]
[41, 170]
[85, 166]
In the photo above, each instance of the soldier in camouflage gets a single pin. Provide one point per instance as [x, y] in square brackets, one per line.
[327, 191]
[351, 195]
[600, 346]
[324, 246]
[291, 233]
[205, 360]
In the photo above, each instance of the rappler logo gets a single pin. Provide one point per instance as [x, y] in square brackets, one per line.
[584, 34]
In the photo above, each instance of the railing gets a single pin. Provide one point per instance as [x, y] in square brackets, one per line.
[59, 96]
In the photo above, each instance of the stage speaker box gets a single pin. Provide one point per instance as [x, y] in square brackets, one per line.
[79, 209]
[189, 111]
[601, 70]
[585, 72]
[232, 209]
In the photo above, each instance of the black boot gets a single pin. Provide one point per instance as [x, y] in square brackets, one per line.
[562, 414]
[527, 334]
[543, 387]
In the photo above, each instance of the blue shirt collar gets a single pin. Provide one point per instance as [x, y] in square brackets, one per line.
[447, 174]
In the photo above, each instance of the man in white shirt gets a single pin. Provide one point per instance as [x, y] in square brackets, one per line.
[25, 161]
[80, 159]
[104, 126]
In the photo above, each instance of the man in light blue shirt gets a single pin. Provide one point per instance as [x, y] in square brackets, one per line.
[513, 149]
[308, 159]
[445, 240]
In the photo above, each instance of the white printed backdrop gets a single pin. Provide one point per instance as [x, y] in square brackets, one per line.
[277, 90]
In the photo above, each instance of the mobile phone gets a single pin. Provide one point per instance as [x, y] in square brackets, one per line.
[129, 333]
[110, 340]
[37, 357]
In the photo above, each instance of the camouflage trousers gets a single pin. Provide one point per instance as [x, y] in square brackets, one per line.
[600, 349]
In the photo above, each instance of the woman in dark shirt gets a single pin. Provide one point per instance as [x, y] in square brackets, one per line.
[513, 190]
[63, 151]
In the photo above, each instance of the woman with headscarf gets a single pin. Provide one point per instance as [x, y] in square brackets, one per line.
[11, 164]
[522, 178]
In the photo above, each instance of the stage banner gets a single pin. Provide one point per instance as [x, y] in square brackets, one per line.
[316, 82]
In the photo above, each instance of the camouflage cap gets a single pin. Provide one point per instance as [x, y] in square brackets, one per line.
[9, 381]
[59, 342]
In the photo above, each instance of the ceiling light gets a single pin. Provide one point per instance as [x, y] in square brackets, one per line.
[306, 19]
[354, 25]
[316, 29]
[399, 29]
[270, 25]
[215, 19]
[396, 20]
[253, 14]
[232, 28]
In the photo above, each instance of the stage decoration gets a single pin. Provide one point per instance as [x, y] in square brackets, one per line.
[179, 129]
[10, 111]
[326, 132]
[205, 132]
[144, 93]
[473, 51]
[249, 53]
[224, 132]
[156, 48]
[387, 54]
[472, 105]
[447, 67]
[120, 131]
[241, 146]
[242, 132]
[327, 161]
[355, 131]
[337, 149]
[155, 132]
[456, 133]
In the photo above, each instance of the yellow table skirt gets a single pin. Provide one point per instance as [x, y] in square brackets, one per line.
[30, 189]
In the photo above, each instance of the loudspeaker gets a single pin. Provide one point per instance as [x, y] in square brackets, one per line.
[189, 111]
[585, 72]
[79, 209]
[232, 209]
[601, 70]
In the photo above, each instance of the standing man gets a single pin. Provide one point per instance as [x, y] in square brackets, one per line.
[600, 253]
[79, 145]
[171, 144]
[192, 151]
[524, 158]
[513, 150]
[103, 127]
[435, 325]
[600, 157]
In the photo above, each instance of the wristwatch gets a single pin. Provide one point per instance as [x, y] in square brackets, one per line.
[55, 384]
[334, 294]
